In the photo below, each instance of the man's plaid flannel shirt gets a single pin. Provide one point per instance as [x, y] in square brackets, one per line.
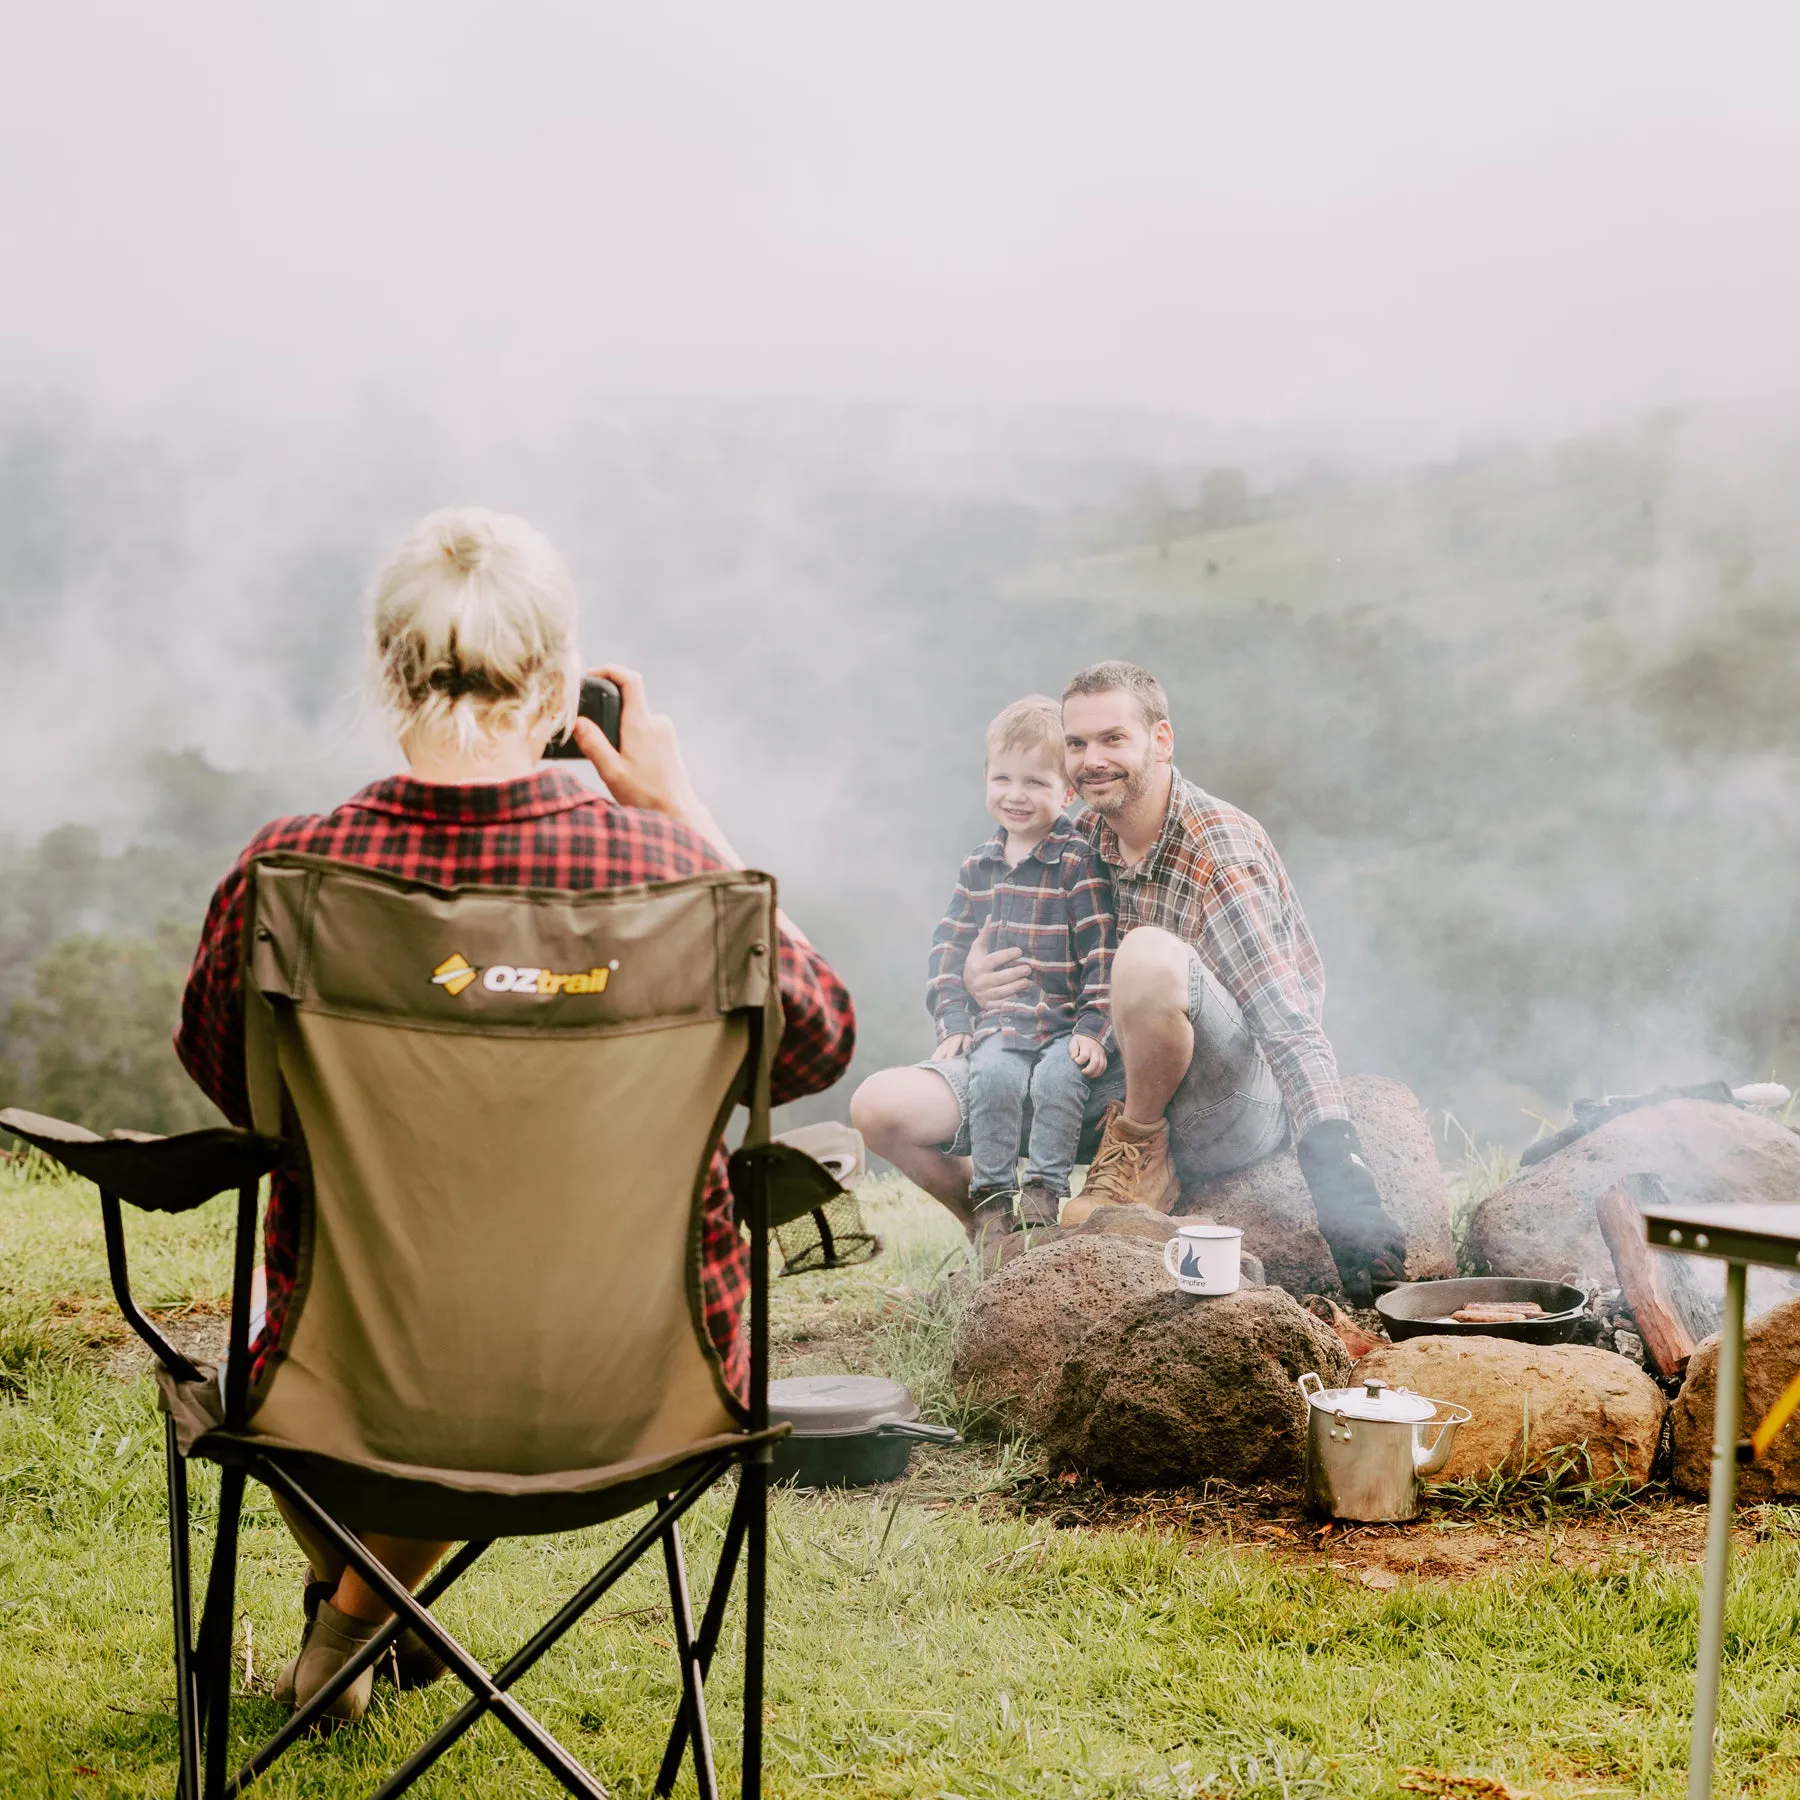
[1056, 908]
[1215, 881]
[547, 830]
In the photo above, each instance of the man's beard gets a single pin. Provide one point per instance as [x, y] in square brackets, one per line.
[1117, 796]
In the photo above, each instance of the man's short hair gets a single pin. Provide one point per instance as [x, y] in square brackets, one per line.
[1116, 677]
[1028, 725]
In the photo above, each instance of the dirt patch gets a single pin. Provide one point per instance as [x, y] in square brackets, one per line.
[1444, 1544]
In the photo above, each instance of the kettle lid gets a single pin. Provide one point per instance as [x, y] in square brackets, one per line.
[1374, 1399]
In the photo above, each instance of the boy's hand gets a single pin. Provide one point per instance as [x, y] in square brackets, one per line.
[1090, 1057]
[956, 1044]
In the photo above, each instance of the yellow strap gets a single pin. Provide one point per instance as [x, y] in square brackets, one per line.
[1776, 1417]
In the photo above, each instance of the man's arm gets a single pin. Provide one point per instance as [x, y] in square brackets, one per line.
[1247, 944]
[1093, 935]
[1252, 950]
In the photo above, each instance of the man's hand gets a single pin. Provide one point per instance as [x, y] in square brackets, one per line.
[956, 1044]
[1367, 1246]
[1090, 1057]
[990, 976]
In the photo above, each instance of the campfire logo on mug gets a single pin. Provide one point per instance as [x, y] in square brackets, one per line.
[456, 973]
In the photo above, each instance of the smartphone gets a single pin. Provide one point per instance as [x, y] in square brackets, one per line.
[599, 702]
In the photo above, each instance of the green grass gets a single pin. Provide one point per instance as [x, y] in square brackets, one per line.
[928, 1642]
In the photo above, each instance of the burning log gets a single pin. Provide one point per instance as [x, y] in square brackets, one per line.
[1356, 1341]
[1672, 1315]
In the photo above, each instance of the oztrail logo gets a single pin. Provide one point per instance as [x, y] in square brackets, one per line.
[456, 972]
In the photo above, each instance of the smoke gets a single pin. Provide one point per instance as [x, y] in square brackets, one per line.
[1519, 718]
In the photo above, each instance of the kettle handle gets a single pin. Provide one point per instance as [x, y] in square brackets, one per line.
[1318, 1386]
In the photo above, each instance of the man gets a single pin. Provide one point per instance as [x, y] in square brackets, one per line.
[1217, 998]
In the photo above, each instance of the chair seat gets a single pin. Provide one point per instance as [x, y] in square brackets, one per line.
[371, 1495]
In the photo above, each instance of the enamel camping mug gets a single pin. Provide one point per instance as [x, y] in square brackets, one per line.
[1204, 1258]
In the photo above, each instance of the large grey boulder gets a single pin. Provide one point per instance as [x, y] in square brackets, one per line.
[1771, 1359]
[1173, 1389]
[1542, 1222]
[1269, 1199]
[1529, 1400]
[1023, 1323]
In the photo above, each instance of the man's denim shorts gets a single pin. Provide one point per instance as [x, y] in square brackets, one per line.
[1226, 1113]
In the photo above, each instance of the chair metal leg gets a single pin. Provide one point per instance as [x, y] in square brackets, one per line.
[756, 1574]
[187, 1721]
[693, 1676]
[216, 1631]
[303, 1718]
[711, 1625]
[1722, 1503]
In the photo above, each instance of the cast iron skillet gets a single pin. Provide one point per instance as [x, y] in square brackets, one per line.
[849, 1430]
[1423, 1308]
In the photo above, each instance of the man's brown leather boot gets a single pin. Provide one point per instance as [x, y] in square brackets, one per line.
[1132, 1167]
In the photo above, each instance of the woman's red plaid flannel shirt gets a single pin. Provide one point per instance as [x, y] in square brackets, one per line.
[548, 830]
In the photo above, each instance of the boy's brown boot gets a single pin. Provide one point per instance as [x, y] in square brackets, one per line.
[1132, 1167]
[1037, 1206]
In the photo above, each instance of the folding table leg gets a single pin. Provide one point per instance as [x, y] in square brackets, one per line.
[187, 1722]
[1722, 1503]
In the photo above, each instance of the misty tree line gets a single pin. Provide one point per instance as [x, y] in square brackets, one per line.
[1521, 723]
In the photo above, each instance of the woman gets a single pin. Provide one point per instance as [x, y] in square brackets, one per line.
[472, 656]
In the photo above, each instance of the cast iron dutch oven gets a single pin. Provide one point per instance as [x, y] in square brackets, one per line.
[849, 1430]
[1423, 1308]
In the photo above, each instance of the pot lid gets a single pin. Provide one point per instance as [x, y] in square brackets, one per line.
[835, 1405]
[1374, 1399]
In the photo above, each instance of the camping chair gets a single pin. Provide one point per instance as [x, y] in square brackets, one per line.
[503, 1105]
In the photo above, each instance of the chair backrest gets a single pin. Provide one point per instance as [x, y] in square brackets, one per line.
[508, 1101]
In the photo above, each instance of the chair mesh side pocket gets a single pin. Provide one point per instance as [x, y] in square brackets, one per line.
[832, 1236]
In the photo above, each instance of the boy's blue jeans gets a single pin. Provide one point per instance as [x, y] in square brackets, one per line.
[999, 1080]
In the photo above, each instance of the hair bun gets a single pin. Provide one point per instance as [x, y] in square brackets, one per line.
[466, 550]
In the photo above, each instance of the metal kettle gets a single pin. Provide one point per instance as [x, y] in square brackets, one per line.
[1367, 1448]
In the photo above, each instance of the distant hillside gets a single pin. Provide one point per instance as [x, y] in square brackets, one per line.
[1520, 722]
[1523, 724]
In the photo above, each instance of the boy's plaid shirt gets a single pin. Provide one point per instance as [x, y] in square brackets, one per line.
[548, 830]
[1214, 880]
[1056, 907]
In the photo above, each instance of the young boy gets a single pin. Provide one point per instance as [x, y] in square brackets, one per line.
[1035, 884]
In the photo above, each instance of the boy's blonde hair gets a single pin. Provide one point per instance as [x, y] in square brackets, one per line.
[472, 629]
[1034, 723]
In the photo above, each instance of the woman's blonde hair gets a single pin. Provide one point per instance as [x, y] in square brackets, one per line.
[472, 629]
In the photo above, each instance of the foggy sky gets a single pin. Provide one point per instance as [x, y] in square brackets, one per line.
[1531, 215]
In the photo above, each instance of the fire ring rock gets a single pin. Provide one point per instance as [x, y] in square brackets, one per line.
[1771, 1357]
[1269, 1199]
[1542, 1222]
[1529, 1400]
[1024, 1321]
[1173, 1389]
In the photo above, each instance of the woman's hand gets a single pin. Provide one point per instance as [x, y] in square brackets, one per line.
[1090, 1057]
[956, 1044]
[990, 976]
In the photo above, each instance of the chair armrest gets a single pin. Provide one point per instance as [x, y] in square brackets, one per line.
[797, 1182]
[156, 1174]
